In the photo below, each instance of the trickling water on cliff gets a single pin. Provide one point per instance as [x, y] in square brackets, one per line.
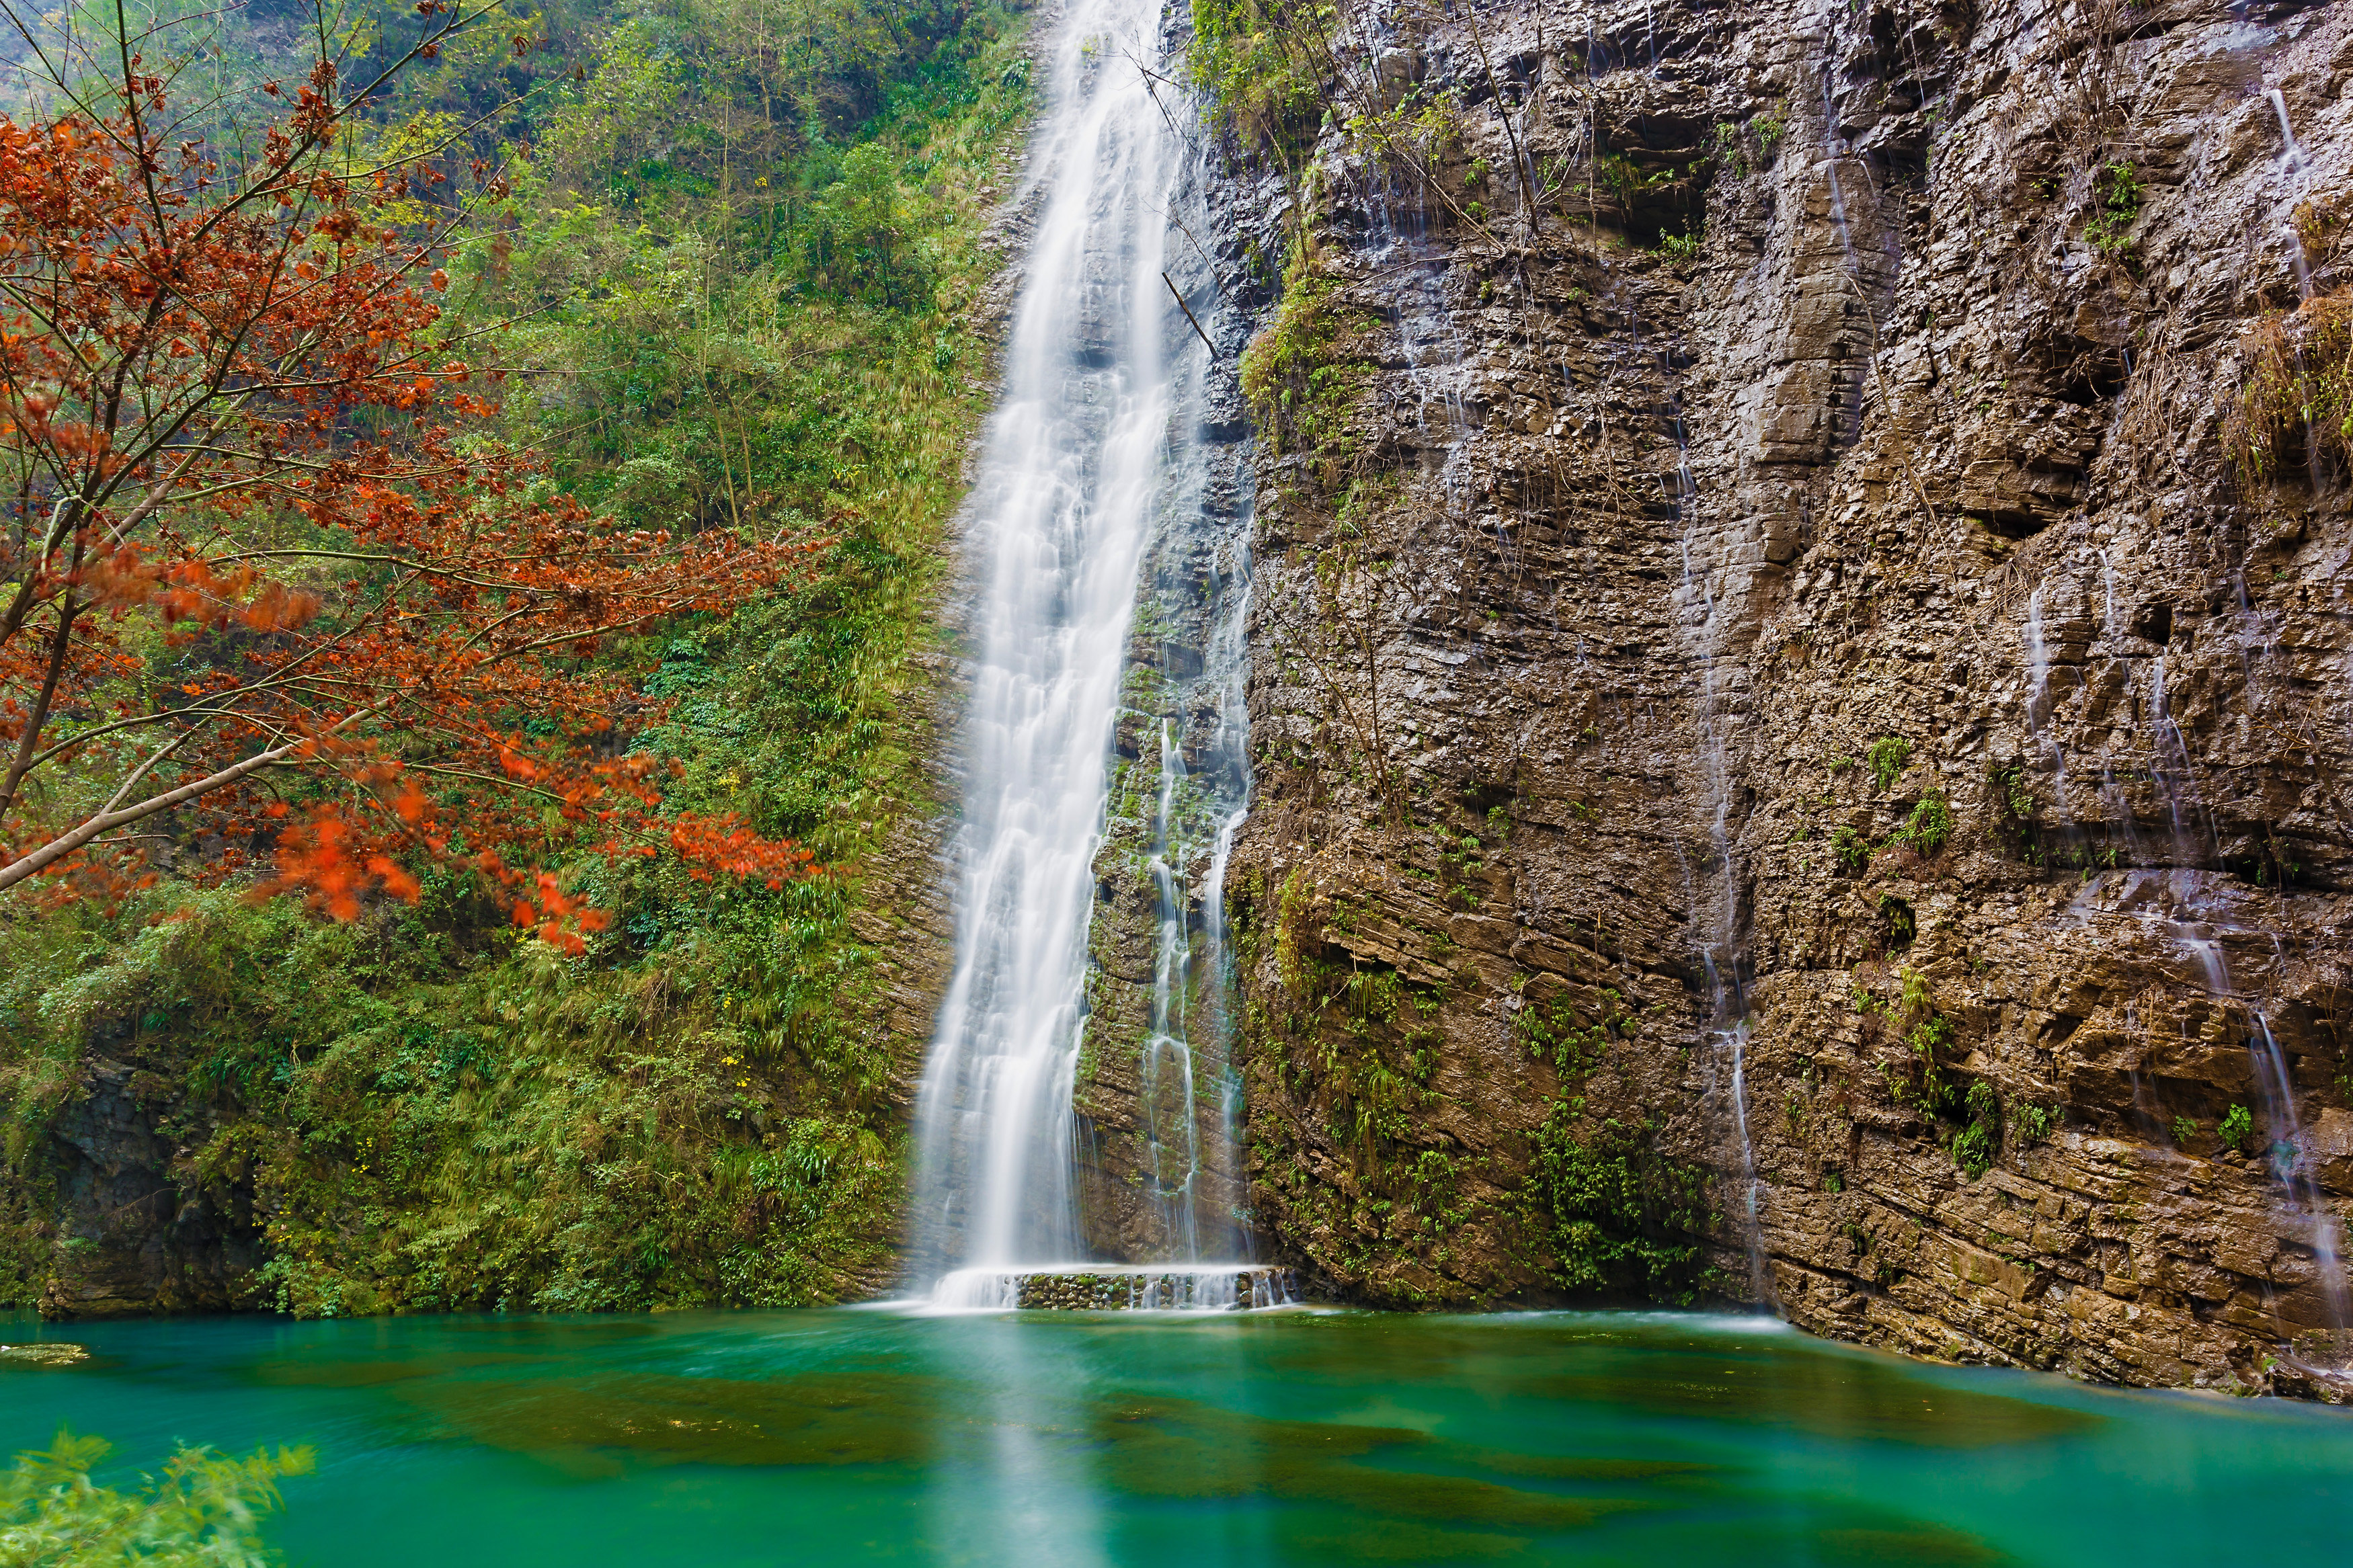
[1081, 464]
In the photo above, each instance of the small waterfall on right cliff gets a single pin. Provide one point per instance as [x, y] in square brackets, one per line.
[2179, 888]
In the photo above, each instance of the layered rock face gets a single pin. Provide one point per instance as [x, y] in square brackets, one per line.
[1795, 713]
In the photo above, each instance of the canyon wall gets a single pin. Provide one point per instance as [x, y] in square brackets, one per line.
[1797, 687]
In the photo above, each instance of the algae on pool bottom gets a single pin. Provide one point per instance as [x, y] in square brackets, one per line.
[867, 1436]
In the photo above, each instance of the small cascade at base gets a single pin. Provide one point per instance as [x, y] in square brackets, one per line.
[1118, 1288]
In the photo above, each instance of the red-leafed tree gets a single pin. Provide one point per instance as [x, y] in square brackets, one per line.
[268, 584]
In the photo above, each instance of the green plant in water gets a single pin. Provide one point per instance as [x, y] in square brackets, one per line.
[204, 1511]
[1888, 757]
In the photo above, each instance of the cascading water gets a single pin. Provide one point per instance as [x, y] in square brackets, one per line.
[2291, 1163]
[2193, 909]
[1075, 473]
[1171, 1133]
[1723, 953]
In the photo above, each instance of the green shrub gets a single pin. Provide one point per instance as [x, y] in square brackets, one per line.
[1621, 1218]
[1903, 925]
[1257, 63]
[1973, 1150]
[204, 1511]
[1930, 826]
[2118, 191]
[2033, 1123]
[2238, 1129]
[1305, 374]
[1851, 851]
[1560, 1035]
[2296, 398]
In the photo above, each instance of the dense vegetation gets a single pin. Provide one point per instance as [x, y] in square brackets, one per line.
[738, 242]
[204, 1511]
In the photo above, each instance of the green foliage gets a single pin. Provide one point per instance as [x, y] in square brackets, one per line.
[1731, 149]
[2118, 191]
[2031, 1123]
[1560, 1035]
[1625, 179]
[1620, 1219]
[1685, 246]
[1930, 826]
[1969, 1112]
[1888, 757]
[1903, 925]
[1258, 63]
[2185, 1131]
[1305, 373]
[741, 245]
[2014, 799]
[204, 1511]
[1850, 850]
[2238, 1129]
[1976, 1145]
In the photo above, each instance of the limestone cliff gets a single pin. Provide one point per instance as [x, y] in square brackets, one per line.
[1795, 673]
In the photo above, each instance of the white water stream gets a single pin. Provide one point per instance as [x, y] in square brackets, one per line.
[1077, 466]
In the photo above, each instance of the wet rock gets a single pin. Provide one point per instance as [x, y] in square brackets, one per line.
[1925, 444]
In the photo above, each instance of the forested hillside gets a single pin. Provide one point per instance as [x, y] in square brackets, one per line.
[729, 254]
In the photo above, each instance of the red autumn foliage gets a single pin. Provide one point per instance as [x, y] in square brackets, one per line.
[258, 544]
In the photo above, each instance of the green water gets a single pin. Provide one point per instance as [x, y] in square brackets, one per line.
[846, 1437]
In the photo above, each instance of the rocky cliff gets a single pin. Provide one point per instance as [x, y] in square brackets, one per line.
[1797, 669]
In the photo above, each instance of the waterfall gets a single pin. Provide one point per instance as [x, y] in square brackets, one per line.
[1089, 460]
[1061, 513]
